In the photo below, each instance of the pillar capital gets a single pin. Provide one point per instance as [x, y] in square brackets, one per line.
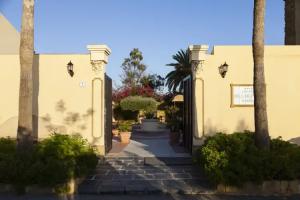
[198, 54]
[99, 52]
[99, 57]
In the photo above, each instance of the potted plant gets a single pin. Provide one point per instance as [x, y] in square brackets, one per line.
[149, 115]
[174, 124]
[125, 128]
[115, 131]
[174, 132]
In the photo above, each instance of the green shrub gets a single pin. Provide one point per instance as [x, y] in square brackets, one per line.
[16, 168]
[234, 159]
[171, 112]
[283, 160]
[63, 157]
[23, 170]
[120, 114]
[136, 103]
[52, 162]
[125, 126]
[7, 145]
[149, 115]
[7, 157]
[174, 118]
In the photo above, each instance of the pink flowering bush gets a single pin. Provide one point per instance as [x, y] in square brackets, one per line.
[144, 91]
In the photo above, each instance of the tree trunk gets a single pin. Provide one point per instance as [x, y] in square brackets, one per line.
[262, 138]
[24, 135]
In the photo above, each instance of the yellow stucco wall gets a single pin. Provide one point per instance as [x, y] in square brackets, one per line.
[282, 71]
[63, 103]
[9, 37]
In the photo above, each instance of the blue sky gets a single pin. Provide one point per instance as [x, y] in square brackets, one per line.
[159, 28]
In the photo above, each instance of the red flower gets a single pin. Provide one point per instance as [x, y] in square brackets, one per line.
[124, 92]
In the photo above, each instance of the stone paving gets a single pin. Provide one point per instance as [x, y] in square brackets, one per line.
[150, 197]
[145, 175]
[150, 147]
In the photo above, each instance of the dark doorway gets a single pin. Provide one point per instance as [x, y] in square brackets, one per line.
[108, 113]
[188, 114]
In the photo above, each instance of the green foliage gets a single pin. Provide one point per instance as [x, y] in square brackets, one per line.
[136, 103]
[234, 159]
[173, 116]
[16, 168]
[7, 156]
[63, 157]
[52, 162]
[149, 115]
[120, 114]
[7, 145]
[182, 68]
[171, 112]
[23, 169]
[125, 126]
[133, 68]
[156, 82]
[283, 160]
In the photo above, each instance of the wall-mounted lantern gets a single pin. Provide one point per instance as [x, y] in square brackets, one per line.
[70, 69]
[223, 69]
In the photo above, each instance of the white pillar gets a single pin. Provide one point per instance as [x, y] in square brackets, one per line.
[198, 54]
[99, 58]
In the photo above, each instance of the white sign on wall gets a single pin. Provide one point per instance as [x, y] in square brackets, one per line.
[82, 84]
[242, 95]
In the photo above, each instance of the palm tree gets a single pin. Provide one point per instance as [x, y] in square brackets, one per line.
[24, 134]
[262, 138]
[182, 68]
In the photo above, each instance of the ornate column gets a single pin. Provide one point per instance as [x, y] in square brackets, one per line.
[99, 58]
[198, 54]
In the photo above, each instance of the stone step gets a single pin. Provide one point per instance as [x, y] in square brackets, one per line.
[168, 161]
[146, 161]
[145, 187]
[122, 161]
[145, 175]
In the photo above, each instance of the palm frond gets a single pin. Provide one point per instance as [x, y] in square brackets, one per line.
[182, 68]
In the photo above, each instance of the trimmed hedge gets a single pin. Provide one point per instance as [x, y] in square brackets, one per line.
[234, 160]
[136, 103]
[51, 163]
[120, 114]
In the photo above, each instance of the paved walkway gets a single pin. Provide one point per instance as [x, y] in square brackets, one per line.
[149, 197]
[148, 148]
[148, 164]
[151, 145]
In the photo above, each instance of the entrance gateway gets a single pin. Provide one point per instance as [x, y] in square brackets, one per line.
[187, 123]
[99, 57]
[148, 163]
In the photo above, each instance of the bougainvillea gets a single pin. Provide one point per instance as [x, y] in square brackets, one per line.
[145, 91]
